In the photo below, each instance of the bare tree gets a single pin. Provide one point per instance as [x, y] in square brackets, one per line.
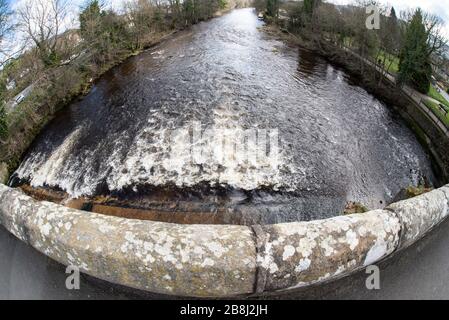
[140, 15]
[6, 28]
[436, 41]
[331, 23]
[41, 21]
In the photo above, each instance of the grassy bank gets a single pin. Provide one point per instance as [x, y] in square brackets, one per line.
[391, 64]
[433, 93]
[437, 111]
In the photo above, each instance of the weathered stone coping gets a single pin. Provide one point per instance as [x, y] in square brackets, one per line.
[218, 261]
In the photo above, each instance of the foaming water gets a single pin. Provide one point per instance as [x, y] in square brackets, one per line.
[336, 142]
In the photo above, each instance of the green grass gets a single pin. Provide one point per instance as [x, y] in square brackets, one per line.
[390, 59]
[347, 41]
[433, 93]
[436, 110]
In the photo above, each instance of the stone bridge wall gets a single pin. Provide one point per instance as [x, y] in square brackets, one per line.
[218, 261]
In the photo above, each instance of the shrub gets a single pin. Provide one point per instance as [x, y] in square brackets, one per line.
[3, 122]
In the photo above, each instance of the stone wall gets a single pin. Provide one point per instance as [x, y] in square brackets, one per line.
[218, 261]
[3, 173]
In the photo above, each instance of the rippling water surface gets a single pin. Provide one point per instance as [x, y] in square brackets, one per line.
[337, 142]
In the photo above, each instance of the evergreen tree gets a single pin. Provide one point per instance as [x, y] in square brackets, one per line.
[414, 61]
[3, 122]
[273, 8]
[393, 13]
[90, 20]
[394, 38]
[105, 33]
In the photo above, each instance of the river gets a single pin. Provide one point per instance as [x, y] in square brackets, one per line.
[328, 140]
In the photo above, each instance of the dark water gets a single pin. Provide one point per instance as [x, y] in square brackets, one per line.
[336, 142]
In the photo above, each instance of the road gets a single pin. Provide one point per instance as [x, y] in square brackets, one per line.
[21, 96]
[420, 272]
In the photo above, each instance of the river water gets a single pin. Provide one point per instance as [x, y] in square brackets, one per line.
[328, 140]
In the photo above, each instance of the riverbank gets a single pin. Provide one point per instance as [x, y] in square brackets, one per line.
[349, 128]
[202, 75]
[59, 87]
[27, 120]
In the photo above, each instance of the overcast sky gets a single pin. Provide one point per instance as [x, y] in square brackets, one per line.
[438, 7]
